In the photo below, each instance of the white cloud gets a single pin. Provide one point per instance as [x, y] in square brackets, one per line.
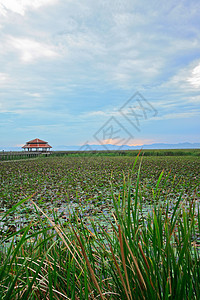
[3, 78]
[186, 80]
[35, 95]
[28, 102]
[96, 113]
[178, 115]
[194, 79]
[99, 113]
[140, 142]
[21, 6]
[193, 99]
[31, 50]
[45, 128]
[134, 69]
[81, 46]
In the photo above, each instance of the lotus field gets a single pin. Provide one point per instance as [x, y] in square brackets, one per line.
[100, 227]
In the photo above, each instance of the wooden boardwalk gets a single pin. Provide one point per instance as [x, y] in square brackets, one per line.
[17, 155]
[11, 155]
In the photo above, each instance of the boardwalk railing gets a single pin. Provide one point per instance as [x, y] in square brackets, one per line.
[16, 155]
[11, 155]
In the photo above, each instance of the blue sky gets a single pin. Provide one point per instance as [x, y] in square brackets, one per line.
[67, 67]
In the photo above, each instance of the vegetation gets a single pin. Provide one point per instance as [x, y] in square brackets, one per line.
[153, 152]
[7, 156]
[143, 243]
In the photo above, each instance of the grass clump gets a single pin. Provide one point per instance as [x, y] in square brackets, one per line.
[146, 256]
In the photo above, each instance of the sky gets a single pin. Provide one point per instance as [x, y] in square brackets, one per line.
[109, 71]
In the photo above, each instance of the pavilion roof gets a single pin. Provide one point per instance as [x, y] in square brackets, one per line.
[37, 143]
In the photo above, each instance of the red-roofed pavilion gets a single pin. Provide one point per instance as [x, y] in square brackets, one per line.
[37, 145]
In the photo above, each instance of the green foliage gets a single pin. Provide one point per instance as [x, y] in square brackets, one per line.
[149, 251]
[153, 152]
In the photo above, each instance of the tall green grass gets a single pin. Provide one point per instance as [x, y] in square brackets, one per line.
[151, 256]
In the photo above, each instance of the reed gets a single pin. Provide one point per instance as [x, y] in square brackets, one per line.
[156, 256]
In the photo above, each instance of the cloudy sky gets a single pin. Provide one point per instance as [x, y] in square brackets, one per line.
[73, 72]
